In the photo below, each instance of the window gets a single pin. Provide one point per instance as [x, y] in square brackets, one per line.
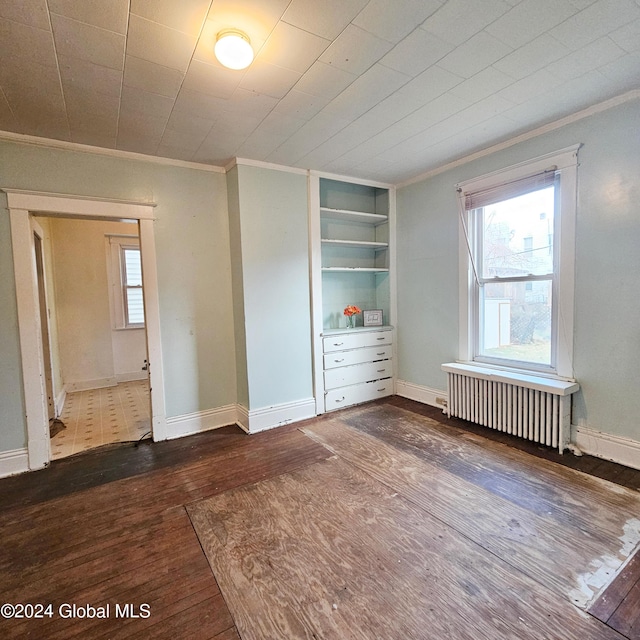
[125, 271]
[517, 236]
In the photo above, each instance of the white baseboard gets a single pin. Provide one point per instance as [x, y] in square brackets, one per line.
[13, 462]
[425, 395]
[607, 446]
[131, 376]
[256, 420]
[86, 385]
[192, 423]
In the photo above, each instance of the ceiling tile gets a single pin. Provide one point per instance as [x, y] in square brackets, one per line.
[624, 72]
[628, 36]
[145, 143]
[133, 124]
[92, 112]
[187, 15]
[33, 13]
[145, 103]
[417, 52]
[280, 124]
[475, 54]
[112, 15]
[325, 80]
[326, 19]
[259, 145]
[483, 84]
[182, 140]
[197, 104]
[595, 21]
[395, 20]
[457, 20]
[91, 78]
[533, 85]
[532, 56]
[214, 81]
[156, 43]
[22, 41]
[250, 103]
[152, 77]
[430, 84]
[292, 48]
[269, 80]
[355, 50]
[189, 124]
[529, 19]
[87, 42]
[367, 91]
[594, 55]
[8, 121]
[300, 105]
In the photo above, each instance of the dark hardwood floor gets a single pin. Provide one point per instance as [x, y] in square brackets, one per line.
[111, 527]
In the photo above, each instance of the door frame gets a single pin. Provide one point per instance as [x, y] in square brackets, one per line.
[21, 205]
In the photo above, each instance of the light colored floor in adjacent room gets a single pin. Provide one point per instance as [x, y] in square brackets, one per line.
[102, 416]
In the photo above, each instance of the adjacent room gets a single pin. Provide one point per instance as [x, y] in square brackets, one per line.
[336, 337]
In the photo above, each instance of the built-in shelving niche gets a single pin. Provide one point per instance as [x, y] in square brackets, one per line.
[354, 229]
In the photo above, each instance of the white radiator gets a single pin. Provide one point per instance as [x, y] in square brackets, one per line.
[529, 407]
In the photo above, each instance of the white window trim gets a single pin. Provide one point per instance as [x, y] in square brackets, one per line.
[115, 244]
[565, 161]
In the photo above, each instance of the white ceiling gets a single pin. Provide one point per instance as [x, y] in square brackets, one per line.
[379, 89]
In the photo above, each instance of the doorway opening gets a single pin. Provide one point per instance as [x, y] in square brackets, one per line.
[93, 332]
[43, 399]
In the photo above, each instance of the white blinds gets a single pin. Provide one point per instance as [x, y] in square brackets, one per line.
[505, 191]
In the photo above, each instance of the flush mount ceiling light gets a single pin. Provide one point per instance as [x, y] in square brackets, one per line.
[233, 49]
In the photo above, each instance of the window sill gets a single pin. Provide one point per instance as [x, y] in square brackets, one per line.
[555, 385]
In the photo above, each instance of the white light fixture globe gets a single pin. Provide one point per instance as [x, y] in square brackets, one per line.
[233, 49]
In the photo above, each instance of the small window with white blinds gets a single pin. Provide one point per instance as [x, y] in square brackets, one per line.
[125, 274]
[518, 236]
[132, 286]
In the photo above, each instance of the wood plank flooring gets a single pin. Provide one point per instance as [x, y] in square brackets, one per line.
[117, 526]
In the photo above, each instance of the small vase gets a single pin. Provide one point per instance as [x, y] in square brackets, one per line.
[351, 322]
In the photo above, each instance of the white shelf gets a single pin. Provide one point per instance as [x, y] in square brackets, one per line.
[355, 244]
[353, 216]
[356, 269]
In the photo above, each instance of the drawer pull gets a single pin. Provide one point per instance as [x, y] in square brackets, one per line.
[380, 354]
[341, 399]
[383, 389]
[381, 370]
[338, 344]
[383, 338]
[341, 360]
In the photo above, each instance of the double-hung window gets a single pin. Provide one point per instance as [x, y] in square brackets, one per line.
[126, 282]
[517, 239]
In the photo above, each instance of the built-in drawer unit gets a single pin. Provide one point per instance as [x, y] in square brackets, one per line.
[345, 396]
[358, 366]
[357, 356]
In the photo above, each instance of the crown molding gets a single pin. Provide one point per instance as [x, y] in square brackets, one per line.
[264, 165]
[49, 143]
[528, 135]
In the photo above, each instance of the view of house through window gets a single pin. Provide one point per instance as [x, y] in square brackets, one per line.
[515, 261]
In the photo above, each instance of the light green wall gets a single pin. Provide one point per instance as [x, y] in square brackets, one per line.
[607, 304]
[273, 225]
[233, 194]
[194, 270]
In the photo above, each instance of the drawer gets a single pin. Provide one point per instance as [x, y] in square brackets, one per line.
[343, 376]
[357, 356]
[344, 341]
[339, 398]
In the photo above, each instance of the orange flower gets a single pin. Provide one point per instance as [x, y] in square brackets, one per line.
[351, 310]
